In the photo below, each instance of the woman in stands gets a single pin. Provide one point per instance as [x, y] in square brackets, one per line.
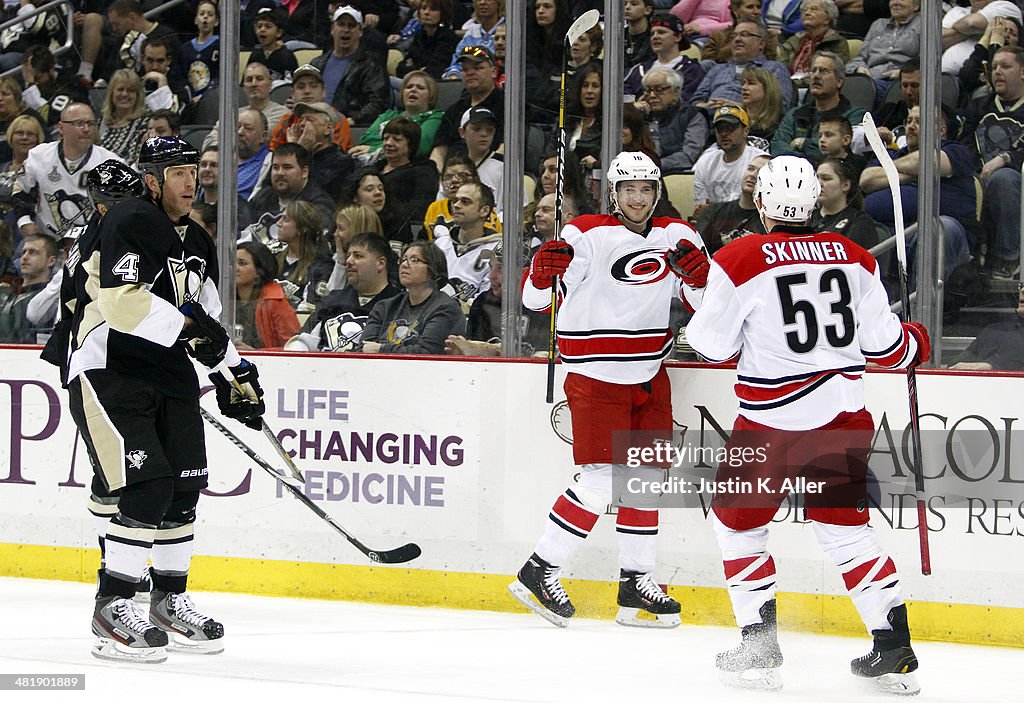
[417, 101]
[636, 134]
[365, 187]
[263, 314]
[23, 133]
[11, 107]
[584, 128]
[123, 115]
[433, 43]
[839, 205]
[419, 320]
[762, 99]
[410, 181]
[819, 34]
[305, 261]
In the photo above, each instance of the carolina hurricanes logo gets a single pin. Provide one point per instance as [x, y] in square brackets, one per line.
[640, 268]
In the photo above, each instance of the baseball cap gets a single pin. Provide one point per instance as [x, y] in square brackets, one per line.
[476, 53]
[322, 108]
[307, 69]
[674, 25]
[477, 114]
[731, 113]
[350, 11]
[274, 15]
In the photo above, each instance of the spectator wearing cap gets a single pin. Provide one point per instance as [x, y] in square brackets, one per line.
[479, 30]
[271, 52]
[819, 34]
[410, 181]
[417, 101]
[721, 85]
[797, 133]
[479, 89]
[308, 87]
[637, 14]
[477, 128]
[356, 82]
[331, 166]
[433, 43]
[700, 18]
[679, 129]
[668, 41]
[718, 173]
[247, 21]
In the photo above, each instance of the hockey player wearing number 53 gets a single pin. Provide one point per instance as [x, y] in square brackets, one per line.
[804, 311]
[617, 283]
[145, 299]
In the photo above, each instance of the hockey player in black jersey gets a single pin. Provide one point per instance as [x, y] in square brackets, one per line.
[145, 299]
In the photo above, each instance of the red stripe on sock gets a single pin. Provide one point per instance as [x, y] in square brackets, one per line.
[888, 570]
[631, 517]
[735, 566]
[573, 514]
[854, 576]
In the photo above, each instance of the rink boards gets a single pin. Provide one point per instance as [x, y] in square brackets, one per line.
[465, 459]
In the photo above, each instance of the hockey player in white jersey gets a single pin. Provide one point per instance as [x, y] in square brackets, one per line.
[613, 335]
[804, 311]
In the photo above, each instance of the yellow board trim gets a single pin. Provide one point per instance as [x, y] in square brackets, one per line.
[827, 614]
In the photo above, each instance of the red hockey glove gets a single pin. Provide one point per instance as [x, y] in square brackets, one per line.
[552, 259]
[924, 343]
[689, 263]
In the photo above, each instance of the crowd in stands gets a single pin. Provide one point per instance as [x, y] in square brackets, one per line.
[370, 142]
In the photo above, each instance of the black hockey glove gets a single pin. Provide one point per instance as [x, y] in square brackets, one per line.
[210, 338]
[246, 405]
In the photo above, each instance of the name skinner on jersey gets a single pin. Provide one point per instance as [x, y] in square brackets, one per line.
[798, 251]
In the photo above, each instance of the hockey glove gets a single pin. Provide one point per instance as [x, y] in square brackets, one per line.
[689, 263]
[924, 343]
[245, 405]
[212, 338]
[552, 259]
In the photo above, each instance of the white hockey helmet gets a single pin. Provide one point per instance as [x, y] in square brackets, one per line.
[787, 189]
[632, 166]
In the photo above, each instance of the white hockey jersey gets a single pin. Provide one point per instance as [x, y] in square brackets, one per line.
[468, 264]
[804, 311]
[613, 324]
[62, 199]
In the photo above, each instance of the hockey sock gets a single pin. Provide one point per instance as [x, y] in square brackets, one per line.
[638, 539]
[127, 553]
[569, 523]
[869, 573]
[174, 542]
[749, 569]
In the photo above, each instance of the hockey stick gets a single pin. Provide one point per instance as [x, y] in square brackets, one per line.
[400, 555]
[225, 371]
[891, 175]
[583, 24]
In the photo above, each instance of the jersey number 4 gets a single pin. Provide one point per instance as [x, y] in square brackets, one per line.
[832, 281]
[127, 268]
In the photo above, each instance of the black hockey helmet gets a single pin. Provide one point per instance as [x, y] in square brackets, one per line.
[161, 153]
[111, 182]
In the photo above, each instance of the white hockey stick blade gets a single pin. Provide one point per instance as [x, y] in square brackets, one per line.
[891, 175]
[583, 23]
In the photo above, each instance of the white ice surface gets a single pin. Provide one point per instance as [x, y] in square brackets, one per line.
[292, 651]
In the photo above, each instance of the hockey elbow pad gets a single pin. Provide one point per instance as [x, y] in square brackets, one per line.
[552, 259]
[243, 402]
[924, 343]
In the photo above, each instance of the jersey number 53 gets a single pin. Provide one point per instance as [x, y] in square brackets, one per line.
[831, 282]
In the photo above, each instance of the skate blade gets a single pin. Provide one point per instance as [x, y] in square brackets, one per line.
[111, 650]
[180, 644]
[638, 617]
[522, 594]
[898, 684]
[756, 679]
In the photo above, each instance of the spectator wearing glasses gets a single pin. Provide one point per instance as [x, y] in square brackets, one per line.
[721, 86]
[420, 319]
[50, 194]
[719, 45]
[458, 170]
[680, 130]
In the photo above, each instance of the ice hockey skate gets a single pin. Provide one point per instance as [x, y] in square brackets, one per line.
[540, 579]
[124, 634]
[187, 629]
[891, 663]
[639, 593]
[756, 661]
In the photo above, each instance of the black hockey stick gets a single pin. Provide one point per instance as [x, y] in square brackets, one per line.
[583, 24]
[891, 175]
[400, 555]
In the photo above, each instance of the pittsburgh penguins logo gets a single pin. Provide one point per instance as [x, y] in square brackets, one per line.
[187, 276]
[343, 333]
[640, 268]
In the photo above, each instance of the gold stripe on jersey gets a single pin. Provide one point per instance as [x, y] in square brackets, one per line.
[126, 307]
[107, 441]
